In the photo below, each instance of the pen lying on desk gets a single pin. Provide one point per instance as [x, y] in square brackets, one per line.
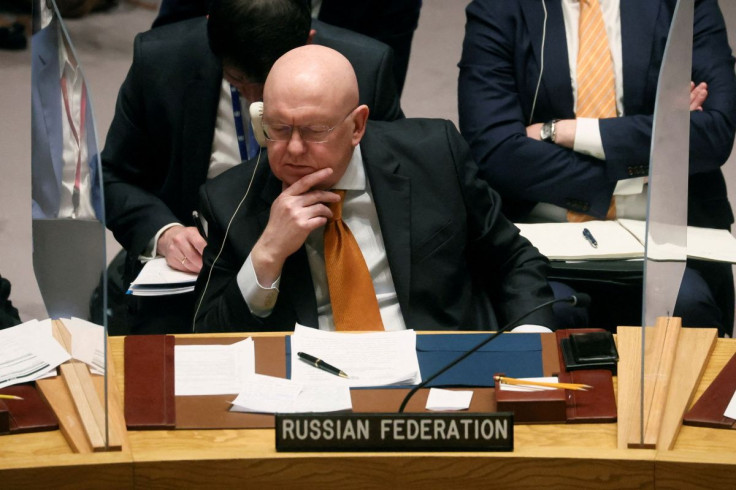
[10, 397]
[521, 382]
[319, 363]
[589, 236]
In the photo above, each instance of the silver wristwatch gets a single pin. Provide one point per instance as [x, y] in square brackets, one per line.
[549, 131]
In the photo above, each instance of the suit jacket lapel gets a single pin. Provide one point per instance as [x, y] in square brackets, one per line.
[392, 196]
[556, 67]
[93, 159]
[49, 91]
[638, 24]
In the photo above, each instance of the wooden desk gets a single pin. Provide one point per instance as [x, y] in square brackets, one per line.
[547, 456]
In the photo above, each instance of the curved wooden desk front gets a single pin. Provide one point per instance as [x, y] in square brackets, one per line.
[546, 456]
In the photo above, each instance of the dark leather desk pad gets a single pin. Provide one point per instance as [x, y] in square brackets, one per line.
[31, 414]
[708, 410]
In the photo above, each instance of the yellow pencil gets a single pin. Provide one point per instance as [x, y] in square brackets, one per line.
[10, 397]
[564, 386]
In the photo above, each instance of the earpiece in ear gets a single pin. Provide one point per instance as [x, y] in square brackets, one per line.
[256, 120]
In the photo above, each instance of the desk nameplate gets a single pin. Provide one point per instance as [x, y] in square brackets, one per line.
[395, 432]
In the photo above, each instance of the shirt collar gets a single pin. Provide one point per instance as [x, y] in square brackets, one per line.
[354, 177]
[65, 64]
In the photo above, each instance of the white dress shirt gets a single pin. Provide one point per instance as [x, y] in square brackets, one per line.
[73, 149]
[359, 213]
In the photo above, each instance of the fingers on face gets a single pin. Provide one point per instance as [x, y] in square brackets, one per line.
[308, 182]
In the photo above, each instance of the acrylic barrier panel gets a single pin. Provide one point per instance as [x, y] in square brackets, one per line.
[666, 238]
[68, 226]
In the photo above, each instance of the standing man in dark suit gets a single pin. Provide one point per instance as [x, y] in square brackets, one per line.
[509, 100]
[175, 123]
[390, 21]
[438, 252]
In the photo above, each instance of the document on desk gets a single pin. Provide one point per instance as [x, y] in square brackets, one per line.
[267, 394]
[566, 241]
[702, 243]
[28, 352]
[158, 279]
[442, 400]
[213, 369]
[622, 239]
[88, 343]
[527, 388]
[731, 408]
[368, 358]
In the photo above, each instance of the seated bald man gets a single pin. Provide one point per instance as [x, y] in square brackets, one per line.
[439, 253]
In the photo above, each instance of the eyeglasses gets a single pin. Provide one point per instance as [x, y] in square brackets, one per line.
[315, 133]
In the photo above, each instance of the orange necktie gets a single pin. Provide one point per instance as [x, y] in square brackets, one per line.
[353, 298]
[596, 83]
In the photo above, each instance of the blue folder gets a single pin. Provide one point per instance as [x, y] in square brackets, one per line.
[515, 355]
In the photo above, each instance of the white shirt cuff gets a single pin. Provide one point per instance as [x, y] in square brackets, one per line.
[588, 138]
[260, 299]
[531, 329]
[150, 252]
[628, 187]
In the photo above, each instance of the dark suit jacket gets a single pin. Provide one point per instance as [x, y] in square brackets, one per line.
[159, 144]
[449, 248]
[47, 132]
[499, 70]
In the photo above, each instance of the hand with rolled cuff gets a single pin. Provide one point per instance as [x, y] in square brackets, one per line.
[565, 128]
[182, 246]
[299, 209]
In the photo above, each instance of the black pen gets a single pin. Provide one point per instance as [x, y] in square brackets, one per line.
[319, 363]
[589, 236]
[198, 224]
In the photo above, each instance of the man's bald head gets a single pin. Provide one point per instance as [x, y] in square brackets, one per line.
[310, 108]
[314, 72]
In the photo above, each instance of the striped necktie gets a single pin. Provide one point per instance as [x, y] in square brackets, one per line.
[352, 296]
[596, 83]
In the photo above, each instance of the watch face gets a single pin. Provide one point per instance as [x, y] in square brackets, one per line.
[546, 132]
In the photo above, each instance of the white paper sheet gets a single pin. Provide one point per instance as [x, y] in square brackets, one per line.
[544, 379]
[28, 352]
[213, 369]
[731, 408]
[158, 279]
[565, 241]
[88, 343]
[702, 243]
[440, 399]
[266, 394]
[370, 359]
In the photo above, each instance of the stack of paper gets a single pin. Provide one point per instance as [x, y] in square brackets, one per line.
[158, 279]
[213, 369]
[369, 359]
[29, 352]
[88, 343]
[266, 394]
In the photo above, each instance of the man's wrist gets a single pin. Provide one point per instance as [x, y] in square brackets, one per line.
[565, 133]
[548, 131]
